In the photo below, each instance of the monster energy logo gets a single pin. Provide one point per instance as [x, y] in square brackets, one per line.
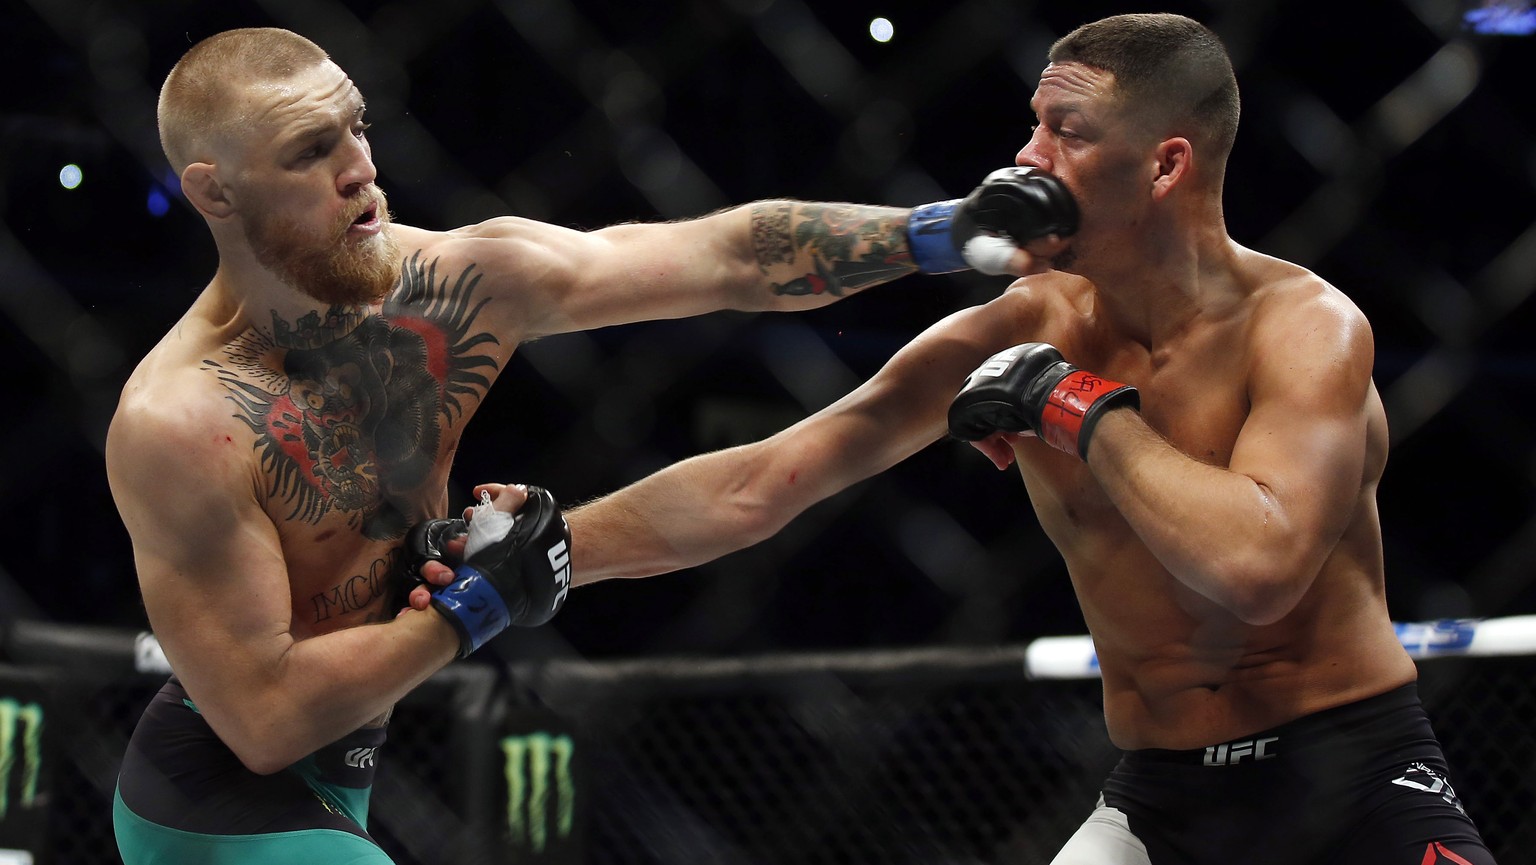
[538, 767]
[13, 717]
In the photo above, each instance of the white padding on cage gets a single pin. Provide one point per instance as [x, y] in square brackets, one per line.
[1074, 658]
[148, 657]
[1061, 658]
[1512, 635]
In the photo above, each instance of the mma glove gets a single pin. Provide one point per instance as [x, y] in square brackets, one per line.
[1031, 387]
[1011, 207]
[516, 568]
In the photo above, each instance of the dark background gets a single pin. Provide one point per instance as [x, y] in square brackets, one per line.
[1382, 145]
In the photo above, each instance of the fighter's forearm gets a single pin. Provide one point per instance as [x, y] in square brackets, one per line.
[273, 711]
[829, 250]
[687, 514]
[1219, 532]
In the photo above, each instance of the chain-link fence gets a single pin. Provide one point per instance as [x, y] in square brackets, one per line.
[1383, 145]
[934, 756]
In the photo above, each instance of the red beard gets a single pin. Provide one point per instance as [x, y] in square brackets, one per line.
[342, 272]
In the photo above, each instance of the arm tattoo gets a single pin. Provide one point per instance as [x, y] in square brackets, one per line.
[770, 233]
[839, 248]
[348, 407]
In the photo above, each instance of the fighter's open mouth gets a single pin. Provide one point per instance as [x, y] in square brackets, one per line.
[365, 217]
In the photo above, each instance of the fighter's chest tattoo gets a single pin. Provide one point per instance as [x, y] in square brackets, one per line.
[349, 408]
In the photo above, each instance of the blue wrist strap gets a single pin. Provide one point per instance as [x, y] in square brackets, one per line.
[474, 608]
[928, 237]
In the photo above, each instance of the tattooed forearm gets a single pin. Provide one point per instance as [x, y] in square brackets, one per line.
[770, 233]
[808, 248]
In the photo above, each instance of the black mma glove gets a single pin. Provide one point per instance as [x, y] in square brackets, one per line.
[425, 542]
[520, 577]
[1030, 387]
[1011, 207]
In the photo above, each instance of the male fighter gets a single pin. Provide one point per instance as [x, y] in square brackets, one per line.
[270, 453]
[1197, 428]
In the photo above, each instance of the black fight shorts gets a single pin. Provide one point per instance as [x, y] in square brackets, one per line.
[184, 797]
[1361, 784]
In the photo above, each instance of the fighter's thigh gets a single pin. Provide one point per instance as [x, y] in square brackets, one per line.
[141, 842]
[1105, 838]
[1443, 837]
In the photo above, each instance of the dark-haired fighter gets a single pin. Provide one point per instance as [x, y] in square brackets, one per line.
[1199, 434]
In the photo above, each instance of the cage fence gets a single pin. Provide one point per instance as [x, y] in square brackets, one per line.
[948, 755]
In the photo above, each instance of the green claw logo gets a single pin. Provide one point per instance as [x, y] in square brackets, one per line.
[15, 716]
[538, 767]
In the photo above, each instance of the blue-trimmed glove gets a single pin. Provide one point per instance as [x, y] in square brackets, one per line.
[1012, 206]
[517, 575]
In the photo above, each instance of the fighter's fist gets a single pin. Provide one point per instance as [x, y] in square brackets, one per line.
[1010, 208]
[516, 570]
[1031, 387]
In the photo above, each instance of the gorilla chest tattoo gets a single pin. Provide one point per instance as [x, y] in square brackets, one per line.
[349, 407]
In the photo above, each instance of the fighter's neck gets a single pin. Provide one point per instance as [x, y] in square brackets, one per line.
[1156, 296]
[236, 301]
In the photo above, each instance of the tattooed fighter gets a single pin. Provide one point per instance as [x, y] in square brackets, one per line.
[269, 455]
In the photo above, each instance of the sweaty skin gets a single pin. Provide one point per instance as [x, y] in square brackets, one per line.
[1223, 542]
[270, 452]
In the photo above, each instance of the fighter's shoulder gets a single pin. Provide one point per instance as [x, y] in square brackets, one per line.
[1048, 290]
[506, 246]
[1043, 300]
[171, 418]
[1276, 285]
[1042, 306]
[167, 400]
[1290, 298]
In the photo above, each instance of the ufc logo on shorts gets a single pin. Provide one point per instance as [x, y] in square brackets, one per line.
[559, 557]
[1233, 753]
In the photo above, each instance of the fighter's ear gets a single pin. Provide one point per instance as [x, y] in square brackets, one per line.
[1174, 159]
[201, 185]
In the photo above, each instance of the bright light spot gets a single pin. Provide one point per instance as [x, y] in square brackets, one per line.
[158, 204]
[881, 30]
[70, 176]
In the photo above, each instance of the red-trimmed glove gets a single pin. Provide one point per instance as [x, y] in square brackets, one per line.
[1030, 387]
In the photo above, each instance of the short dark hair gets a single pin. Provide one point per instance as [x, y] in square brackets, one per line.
[1166, 62]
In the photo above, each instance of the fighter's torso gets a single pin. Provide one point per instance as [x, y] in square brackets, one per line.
[351, 422]
[1179, 671]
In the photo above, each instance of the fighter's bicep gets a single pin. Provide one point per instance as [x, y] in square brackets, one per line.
[546, 279]
[209, 560]
[1305, 438]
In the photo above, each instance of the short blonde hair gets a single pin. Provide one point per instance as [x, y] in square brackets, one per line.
[194, 108]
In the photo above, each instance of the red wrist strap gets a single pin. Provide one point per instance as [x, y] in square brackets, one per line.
[1061, 422]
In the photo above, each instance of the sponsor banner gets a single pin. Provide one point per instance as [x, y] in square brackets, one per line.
[543, 794]
[25, 769]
